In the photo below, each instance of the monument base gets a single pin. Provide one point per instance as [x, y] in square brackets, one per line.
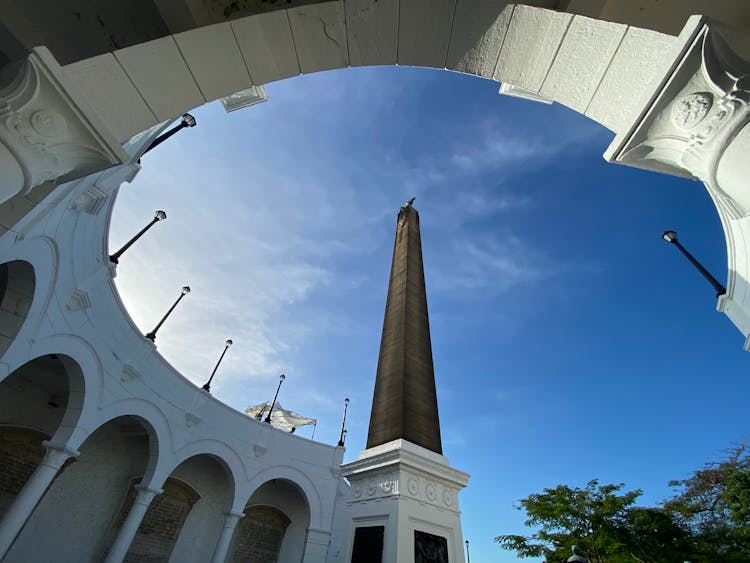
[405, 505]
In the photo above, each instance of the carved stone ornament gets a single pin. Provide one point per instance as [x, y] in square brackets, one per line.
[47, 131]
[690, 110]
[690, 123]
[430, 491]
[388, 485]
[78, 300]
[412, 486]
[191, 419]
[357, 490]
[447, 497]
[129, 373]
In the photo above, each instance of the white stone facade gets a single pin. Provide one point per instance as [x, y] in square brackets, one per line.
[405, 488]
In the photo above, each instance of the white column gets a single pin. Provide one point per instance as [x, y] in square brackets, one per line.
[144, 496]
[32, 492]
[225, 539]
[316, 546]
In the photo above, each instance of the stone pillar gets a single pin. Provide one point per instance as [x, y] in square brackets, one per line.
[47, 130]
[143, 498]
[316, 546]
[32, 492]
[225, 539]
[696, 124]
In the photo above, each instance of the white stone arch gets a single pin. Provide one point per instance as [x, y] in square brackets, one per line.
[152, 418]
[42, 254]
[535, 52]
[222, 453]
[296, 477]
[84, 388]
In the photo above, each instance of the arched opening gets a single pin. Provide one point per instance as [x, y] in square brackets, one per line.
[17, 284]
[183, 522]
[78, 508]
[34, 401]
[275, 525]
[21, 451]
[162, 522]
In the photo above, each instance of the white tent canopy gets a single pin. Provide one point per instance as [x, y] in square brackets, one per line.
[280, 417]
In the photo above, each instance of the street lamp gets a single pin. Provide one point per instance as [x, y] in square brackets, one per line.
[671, 237]
[158, 216]
[152, 335]
[282, 377]
[343, 422]
[186, 121]
[207, 386]
[468, 559]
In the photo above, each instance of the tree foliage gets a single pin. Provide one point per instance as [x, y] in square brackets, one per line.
[706, 521]
[714, 504]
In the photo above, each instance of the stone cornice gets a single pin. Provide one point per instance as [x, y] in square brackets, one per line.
[405, 458]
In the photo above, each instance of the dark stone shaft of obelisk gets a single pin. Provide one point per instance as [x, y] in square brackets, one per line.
[404, 404]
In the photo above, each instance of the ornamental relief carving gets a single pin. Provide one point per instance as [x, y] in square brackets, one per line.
[693, 124]
[375, 487]
[690, 110]
[45, 129]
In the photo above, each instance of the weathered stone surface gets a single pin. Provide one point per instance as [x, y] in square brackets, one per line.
[405, 402]
[479, 29]
[530, 46]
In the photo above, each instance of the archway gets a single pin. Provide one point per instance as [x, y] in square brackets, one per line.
[17, 285]
[183, 522]
[34, 401]
[75, 513]
[275, 525]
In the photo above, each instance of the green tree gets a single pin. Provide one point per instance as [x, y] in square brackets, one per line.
[603, 522]
[714, 504]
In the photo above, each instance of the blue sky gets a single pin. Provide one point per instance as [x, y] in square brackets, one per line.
[569, 341]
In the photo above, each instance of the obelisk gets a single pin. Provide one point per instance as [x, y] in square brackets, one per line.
[404, 493]
[404, 404]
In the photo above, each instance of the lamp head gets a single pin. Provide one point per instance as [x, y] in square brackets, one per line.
[185, 290]
[346, 401]
[188, 120]
[282, 377]
[669, 236]
[160, 215]
[229, 342]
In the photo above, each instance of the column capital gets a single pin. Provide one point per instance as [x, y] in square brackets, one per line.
[234, 514]
[689, 127]
[145, 494]
[57, 454]
[47, 130]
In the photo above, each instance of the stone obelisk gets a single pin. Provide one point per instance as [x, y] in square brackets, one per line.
[404, 493]
[405, 402]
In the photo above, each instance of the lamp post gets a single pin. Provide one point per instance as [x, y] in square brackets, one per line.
[152, 335]
[207, 386]
[468, 558]
[343, 437]
[186, 121]
[158, 216]
[343, 423]
[282, 377]
[671, 237]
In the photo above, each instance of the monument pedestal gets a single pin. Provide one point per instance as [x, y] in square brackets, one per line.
[405, 502]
